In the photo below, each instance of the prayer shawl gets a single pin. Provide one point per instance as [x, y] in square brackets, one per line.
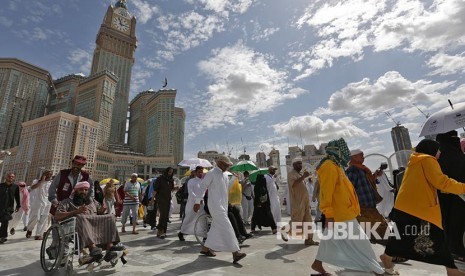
[221, 236]
[24, 194]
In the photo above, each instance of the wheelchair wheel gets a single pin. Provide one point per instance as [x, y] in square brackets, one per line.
[201, 227]
[51, 250]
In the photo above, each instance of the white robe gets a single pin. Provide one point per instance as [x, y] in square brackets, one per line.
[275, 204]
[221, 236]
[384, 190]
[188, 224]
[40, 207]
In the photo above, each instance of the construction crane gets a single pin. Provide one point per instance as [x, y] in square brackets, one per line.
[390, 117]
[426, 114]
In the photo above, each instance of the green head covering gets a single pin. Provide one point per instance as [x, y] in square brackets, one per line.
[337, 151]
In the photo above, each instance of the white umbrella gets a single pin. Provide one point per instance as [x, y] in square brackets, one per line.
[193, 162]
[446, 119]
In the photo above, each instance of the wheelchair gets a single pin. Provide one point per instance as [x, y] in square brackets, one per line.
[201, 227]
[61, 243]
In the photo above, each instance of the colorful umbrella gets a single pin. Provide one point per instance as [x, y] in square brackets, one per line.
[106, 180]
[138, 180]
[253, 174]
[243, 166]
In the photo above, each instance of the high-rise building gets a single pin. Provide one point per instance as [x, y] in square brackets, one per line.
[311, 156]
[116, 44]
[64, 96]
[156, 126]
[401, 141]
[94, 100]
[274, 160]
[261, 159]
[51, 142]
[24, 92]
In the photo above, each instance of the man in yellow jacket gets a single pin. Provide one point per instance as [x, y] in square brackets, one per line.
[339, 204]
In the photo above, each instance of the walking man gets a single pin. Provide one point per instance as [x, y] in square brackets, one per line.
[9, 193]
[40, 206]
[300, 207]
[247, 198]
[221, 236]
[132, 196]
[272, 188]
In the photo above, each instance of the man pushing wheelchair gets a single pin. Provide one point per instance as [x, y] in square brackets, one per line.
[95, 229]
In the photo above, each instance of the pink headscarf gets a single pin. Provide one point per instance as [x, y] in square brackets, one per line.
[462, 144]
[79, 185]
[24, 193]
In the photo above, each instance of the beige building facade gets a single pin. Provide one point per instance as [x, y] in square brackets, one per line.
[51, 142]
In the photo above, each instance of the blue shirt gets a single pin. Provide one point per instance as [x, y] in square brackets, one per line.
[365, 193]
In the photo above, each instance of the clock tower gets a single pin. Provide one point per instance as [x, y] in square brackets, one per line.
[116, 44]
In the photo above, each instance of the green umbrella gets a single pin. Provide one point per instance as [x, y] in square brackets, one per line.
[243, 166]
[253, 174]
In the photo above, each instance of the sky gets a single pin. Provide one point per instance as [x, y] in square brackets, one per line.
[257, 74]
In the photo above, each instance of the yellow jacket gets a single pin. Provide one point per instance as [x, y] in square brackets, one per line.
[337, 195]
[418, 192]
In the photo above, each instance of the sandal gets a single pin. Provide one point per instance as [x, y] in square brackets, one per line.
[322, 274]
[399, 260]
[135, 232]
[237, 257]
[208, 253]
[391, 271]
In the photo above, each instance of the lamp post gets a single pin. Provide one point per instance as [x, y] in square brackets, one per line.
[6, 154]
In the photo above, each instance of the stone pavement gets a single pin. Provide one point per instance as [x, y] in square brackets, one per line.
[148, 255]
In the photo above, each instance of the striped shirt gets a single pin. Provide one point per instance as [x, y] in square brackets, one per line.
[134, 190]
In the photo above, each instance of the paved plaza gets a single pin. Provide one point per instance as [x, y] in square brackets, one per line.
[148, 255]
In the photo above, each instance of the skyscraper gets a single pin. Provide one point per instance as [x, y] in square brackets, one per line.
[51, 142]
[116, 44]
[24, 90]
[64, 98]
[94, 100]
[401, 141]
[156, 126]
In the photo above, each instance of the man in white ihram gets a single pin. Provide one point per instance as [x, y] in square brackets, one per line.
[272, 188]
[221, 235]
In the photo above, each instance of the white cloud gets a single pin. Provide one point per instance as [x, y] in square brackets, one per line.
[220, 6]
[139, 80]
[5, 21]
[82, 58]
[389, 91]
[243, 85]
[310, 126]
[346, 28]
[144, 10]
[445, 64]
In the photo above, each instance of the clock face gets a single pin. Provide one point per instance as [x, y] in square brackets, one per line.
[121, 24]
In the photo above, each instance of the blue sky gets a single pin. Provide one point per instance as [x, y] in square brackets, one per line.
[271, 72]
